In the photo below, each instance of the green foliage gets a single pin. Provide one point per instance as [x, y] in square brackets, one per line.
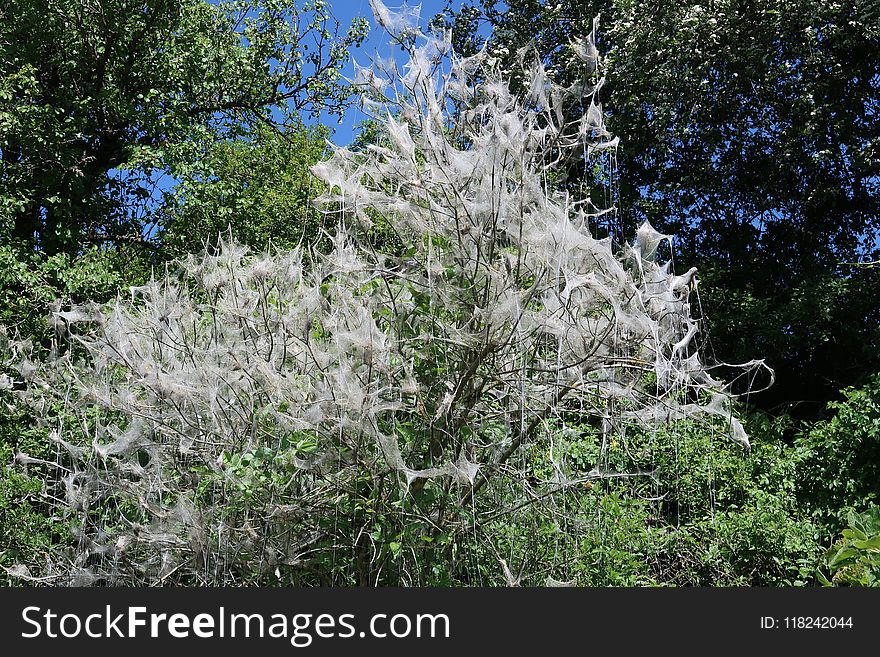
[729, 519]
[749, 132]
[840, 466]
[258, 190]
[854, 560]
[706, 516]
[28, 532]
[31, 283]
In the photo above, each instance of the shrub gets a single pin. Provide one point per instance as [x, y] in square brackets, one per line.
[854, 560]
[840, 466]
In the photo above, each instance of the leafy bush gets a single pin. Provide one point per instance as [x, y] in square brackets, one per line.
[704, 514]
[840, 466]
[31, 283]
[719, 518]
[854, 560]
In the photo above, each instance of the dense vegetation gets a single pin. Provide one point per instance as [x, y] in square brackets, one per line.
[136, 133]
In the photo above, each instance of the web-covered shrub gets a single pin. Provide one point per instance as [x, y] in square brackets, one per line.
[357, 416]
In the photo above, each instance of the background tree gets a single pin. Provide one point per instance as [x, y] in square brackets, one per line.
[257, 191]
[750, 131]
[98, 96]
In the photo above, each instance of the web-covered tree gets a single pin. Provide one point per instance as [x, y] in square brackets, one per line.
[366, 415]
